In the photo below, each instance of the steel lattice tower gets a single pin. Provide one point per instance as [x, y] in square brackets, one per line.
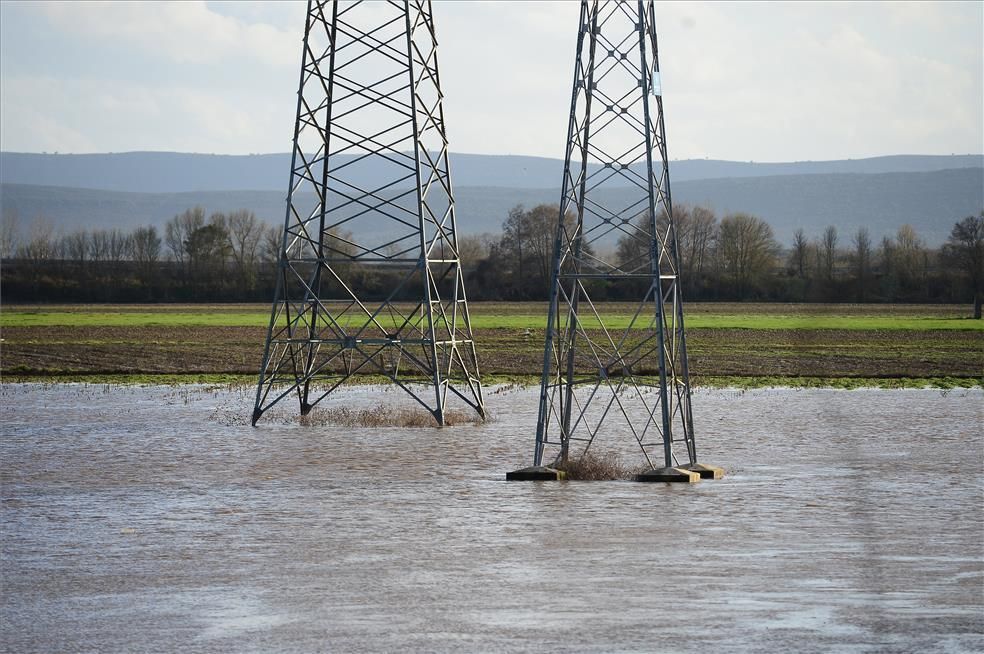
[605, 375]
[369, 277]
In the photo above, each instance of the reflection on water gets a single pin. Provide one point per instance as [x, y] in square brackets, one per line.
[156, 519]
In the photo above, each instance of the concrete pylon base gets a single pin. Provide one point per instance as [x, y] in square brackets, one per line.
[705, 471]
[536, 473]
[671, 475]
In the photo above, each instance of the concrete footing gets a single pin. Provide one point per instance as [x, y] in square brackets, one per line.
[536, 473]
[705, 471]
[672, 475]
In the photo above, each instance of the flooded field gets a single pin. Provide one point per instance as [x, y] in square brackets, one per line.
[156, 519]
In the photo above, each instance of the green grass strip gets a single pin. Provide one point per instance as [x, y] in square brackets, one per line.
[522, 321]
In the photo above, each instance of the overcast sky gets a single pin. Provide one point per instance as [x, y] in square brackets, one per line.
[760, 82]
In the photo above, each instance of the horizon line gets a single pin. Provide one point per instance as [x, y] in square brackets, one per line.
[477, 154]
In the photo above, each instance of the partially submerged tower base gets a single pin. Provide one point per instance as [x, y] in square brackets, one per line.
[608, 376]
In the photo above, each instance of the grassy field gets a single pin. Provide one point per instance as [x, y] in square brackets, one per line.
[496, 315]
[736, 344]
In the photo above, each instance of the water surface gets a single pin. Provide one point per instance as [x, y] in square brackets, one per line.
[156, 519]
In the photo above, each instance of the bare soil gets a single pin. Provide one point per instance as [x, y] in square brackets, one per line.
[713, 352]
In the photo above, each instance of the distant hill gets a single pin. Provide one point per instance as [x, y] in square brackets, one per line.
[174, 172]
[930, 201]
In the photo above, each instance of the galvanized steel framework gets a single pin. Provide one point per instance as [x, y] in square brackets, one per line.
[605, 376]
[370, 196]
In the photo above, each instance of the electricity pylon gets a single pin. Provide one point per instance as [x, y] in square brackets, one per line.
[369, 278]
[608, 374]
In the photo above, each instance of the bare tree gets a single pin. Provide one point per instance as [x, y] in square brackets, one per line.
[245, 232]
[207, 248]
[146, 251]
[119, 246]
[179, 228]
[828, 252]
[696, 244]
[541, 230]
[862, 260]
[747, 250]
[8, 233]
[799, 257]
[695, 230]
[271, 244]
[909, 258]
[887, 264]
[474, 248]
[633, 253]
[40, 244]
[77, 246]
[513, 240]
[38, 248]
[99, 245]
[526, 246]
[965, 250]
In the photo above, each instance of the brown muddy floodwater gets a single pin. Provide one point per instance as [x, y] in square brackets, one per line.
[155, 519]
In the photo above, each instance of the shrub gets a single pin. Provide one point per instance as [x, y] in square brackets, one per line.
[595, 467]
[382, 416]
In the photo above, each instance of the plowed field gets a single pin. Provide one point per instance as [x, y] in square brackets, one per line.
[827, 341]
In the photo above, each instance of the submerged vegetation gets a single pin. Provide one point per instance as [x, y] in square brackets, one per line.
[385, 416]
[592, 466]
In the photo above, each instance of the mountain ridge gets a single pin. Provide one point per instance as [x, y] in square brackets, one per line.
[175, 172]
[930, 201]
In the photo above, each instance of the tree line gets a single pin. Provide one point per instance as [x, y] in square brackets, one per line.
[232, 257]
[737, 257]
[221, 257]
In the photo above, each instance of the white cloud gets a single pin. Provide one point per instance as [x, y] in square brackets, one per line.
[741, 81]
[89, 115]
[507, 70]
[185, 32]
[802, 85]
